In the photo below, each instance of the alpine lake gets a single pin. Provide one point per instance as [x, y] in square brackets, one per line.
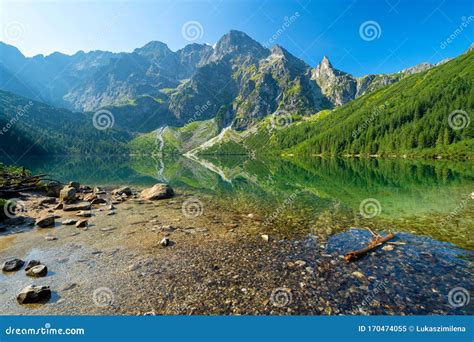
[258, 236]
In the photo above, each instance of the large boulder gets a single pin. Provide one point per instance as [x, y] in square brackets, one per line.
[45, 221]
[157, 192]
[53, 189]
[33, 294]
[67, 194]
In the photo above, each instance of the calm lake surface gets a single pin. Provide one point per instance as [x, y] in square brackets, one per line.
[314, 210]
[298, 197]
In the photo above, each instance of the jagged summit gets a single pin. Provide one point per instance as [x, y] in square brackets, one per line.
[235, 43]
[325, 62]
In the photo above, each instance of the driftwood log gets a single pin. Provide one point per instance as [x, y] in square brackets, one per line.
[377, 241]
[13, 184]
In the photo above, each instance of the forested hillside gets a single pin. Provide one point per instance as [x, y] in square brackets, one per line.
[424, 114]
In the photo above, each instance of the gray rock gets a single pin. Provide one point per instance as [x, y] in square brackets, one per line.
[37, 271]
[167, 229]
[77, 206]
[32, 263]
[165, 242]
[98, 201]
[45, 221]
[90, 197]
[12, 265]
[53, 189]
[33, 294]
[99, 191]
[67, 194]
[48, 200]
[50, 238]
[158, 191]
[69, 222]
[84, 213]
[75, 185]
[82, 223]
[122, 191]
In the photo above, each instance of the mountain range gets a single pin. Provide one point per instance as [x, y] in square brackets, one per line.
[236, 83]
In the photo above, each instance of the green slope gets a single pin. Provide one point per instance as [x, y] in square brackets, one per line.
[175, 140]
[409, 117]
[31, 127]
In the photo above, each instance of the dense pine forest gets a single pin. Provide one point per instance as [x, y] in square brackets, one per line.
[425, 114]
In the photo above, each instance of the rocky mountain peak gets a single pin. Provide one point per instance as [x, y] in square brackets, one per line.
[237, 43]
[325, 62]
[324, 69]
[154, 49]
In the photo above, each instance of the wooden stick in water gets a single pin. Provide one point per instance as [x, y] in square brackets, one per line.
[373, 244]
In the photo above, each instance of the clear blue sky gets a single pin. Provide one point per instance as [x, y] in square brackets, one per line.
[410, 31]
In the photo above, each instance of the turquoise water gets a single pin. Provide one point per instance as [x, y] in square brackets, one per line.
[300, 196]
